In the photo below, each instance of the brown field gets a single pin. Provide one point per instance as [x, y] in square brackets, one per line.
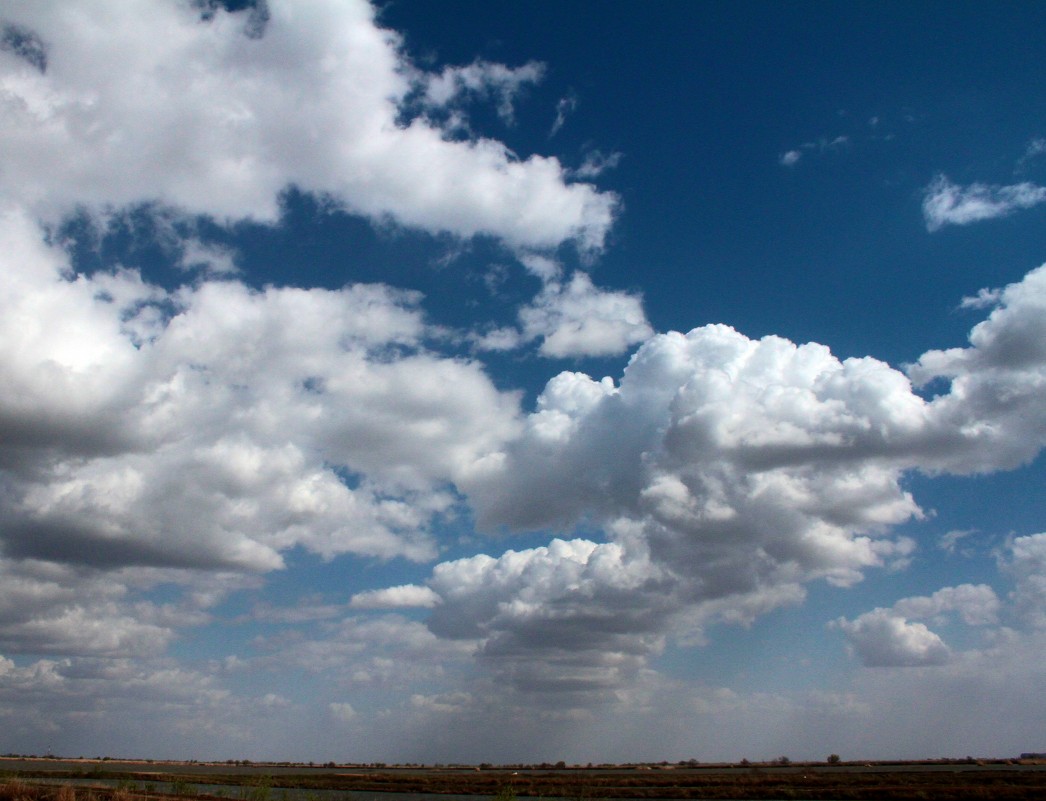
[944, 780]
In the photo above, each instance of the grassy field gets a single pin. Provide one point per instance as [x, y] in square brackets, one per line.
[945, 781]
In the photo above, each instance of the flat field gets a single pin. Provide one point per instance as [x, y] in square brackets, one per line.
[113, 780]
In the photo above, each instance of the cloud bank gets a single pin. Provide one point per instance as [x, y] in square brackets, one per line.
[165, 447]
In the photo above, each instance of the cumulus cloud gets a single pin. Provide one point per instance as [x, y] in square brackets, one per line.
[571, 318]
[577, 318]
[946, 203]
[213, 121]
[888, 638]
[976, 604]
[730, 472]
[574, 617]
[992, 417]
[882, 639]
[214, 427]
[191, 436]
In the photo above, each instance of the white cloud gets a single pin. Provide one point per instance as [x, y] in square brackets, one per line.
[822, 145]
[992, 417]
[188, 438]
[404, 596]
[543, 267]
[949, 541]
[579, 319]
[1036, 147]
[209, 120]
[946, 203]
[442, 703]
[572, 318]
[1027, 565]
[883, 639]
[984, 299]
[731, 472]
[342, 712]
[216, 427]
[596, 163]
[976, 604]
[53, 609]
[888, 638]
[212, 259]
[481, 78]
[565, 619]
[564, 108]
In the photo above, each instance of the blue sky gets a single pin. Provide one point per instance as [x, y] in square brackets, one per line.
[499, 382]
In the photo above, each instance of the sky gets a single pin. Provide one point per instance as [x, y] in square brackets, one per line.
[514, 382]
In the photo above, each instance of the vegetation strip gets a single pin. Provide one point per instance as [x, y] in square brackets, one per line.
[753, 783]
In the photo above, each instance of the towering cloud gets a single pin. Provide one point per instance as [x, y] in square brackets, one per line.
[728, 473]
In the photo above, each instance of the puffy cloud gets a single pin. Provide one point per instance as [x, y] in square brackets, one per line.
[574, 617]
[791, 158]
[992, 417]
[579, 319]
[122, 424]
[887, 638]
[946, 203]
[53, 609]
[977, 604]
[572, 319]
[730, 472]
[883, 639]
[213, 428]
[194, 112]
[712, 429]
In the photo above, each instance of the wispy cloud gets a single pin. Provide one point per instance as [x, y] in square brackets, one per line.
[947, 203]
[822, 145]
[564, 108]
